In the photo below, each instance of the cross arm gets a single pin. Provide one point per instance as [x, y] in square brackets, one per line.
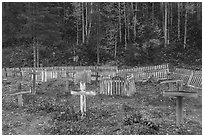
[83, 93]
[18, 93]
[180, 93]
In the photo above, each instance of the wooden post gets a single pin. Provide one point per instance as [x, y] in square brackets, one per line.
[83, 98]
[42, 74]
[34, 85]
[20, 100]
[179, 105]
[179, 110]
[5, 72]
[67, 82]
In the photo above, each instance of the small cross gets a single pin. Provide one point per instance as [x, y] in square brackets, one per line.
[82, 92]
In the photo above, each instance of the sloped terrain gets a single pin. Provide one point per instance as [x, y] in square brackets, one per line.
[53, 111]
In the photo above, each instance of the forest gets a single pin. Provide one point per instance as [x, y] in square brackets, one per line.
[101, 33]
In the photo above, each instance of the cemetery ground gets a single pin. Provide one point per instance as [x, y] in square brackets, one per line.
[54, 111]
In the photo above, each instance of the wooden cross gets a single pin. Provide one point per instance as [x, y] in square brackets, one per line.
[82, 78]
[20, 95]
[82, 92]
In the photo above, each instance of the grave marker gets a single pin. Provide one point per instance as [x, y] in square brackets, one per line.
[179, 93]
[19, 94]
[83, 78]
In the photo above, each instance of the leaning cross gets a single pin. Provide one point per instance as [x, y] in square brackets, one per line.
[83, 93]
[19, 94]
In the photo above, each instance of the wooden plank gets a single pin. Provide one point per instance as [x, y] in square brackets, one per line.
[170, 81]
[180, 93]
[17, 93]
[83, 93]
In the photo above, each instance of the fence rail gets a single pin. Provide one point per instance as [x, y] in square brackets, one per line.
[159, 72]
[190, 77]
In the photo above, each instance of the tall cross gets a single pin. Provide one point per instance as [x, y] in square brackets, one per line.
[83, 93]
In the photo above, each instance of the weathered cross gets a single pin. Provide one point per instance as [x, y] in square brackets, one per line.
[19, 94]
[83, 78]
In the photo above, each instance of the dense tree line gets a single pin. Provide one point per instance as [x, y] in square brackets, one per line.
[97, 33]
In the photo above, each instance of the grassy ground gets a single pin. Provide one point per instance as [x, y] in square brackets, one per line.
[54, 111]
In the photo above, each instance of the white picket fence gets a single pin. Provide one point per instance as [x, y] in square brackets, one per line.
[190, 78]
[47, 73]
[117, 86]
[160, 72]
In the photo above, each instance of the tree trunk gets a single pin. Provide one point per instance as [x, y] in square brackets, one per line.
[152, 10]
[165, 25]
[34, 54]
[34, 47]
[128, 24]
[133, 18]
[199, 11]
[163, 16]
[34, 35]
[120, 33]
[115, 55]
[171, 13]
[125, 26]
[185, 29]
[178, 20]
[37, 50]
[98, 34]
[83, 37]
[90, 24]
[168, 22]
[86, 27]
[135, 21]
[77, 31]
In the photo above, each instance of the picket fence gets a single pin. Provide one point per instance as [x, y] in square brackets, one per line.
[117, 86]
[190, 78]
[47, 73]
[160, 72]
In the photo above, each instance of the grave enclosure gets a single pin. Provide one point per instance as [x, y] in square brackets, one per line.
[114, 82]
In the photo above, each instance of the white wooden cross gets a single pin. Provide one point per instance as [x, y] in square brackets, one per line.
[83, 93]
